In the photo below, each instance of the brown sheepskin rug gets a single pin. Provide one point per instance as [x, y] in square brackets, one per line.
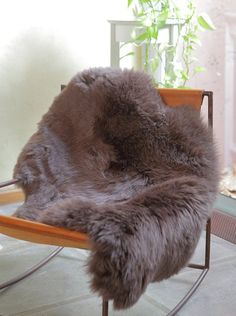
[112, 160]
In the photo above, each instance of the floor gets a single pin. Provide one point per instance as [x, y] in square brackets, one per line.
[62, 286]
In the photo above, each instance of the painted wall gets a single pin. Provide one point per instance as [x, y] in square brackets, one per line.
[212, 55]
[43, 44]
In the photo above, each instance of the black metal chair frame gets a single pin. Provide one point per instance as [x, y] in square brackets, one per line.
[204, 267]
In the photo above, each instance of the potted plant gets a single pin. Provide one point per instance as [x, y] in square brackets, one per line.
[175, 56]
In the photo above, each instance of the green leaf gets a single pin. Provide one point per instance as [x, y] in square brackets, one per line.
[199, 69]
[129, 2]
[126, 55]
[153, 32]
[194, 39]
[205, 21]
[163, 15]
[184, 75]
[162, 18]
[184, 87]
[185, 38]
[135, 11]
[142, 37]
[154, 64]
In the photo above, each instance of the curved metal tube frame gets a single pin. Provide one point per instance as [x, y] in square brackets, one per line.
[204, 268]
[31, 270]
[35, 267]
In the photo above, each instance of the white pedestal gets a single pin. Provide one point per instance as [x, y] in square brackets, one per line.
[121, 32]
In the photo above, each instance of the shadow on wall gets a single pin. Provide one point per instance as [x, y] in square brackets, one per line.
[31, 72]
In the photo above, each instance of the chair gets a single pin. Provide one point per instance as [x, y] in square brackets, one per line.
[45, 234]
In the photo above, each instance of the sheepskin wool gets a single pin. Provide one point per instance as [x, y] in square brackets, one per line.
[110, 159]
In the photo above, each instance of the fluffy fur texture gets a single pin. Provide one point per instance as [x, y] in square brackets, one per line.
[110, 159]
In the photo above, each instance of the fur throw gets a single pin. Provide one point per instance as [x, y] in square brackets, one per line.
[110, 159]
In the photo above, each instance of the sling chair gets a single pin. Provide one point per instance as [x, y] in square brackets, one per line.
[50, 235]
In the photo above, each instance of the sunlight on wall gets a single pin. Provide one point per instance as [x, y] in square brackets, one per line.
[42, 45]
[78, 25]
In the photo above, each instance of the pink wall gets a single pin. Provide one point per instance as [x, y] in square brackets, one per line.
[220, 73]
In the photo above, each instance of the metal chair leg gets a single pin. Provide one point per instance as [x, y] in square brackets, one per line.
[204, 268]
[104, 307]
[31, 270]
